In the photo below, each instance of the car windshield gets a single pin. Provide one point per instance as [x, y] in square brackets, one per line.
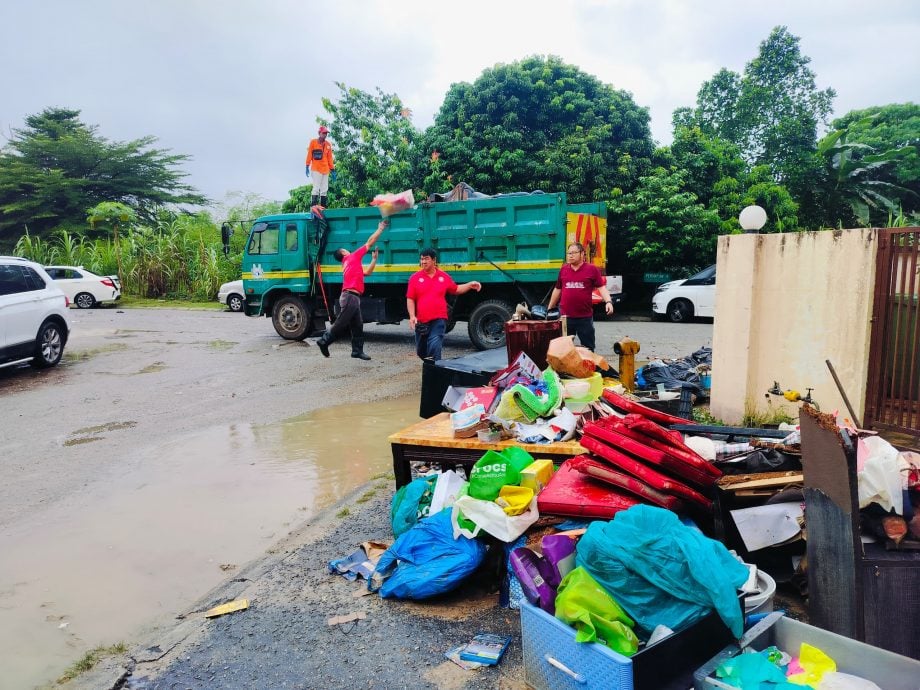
[705, 274]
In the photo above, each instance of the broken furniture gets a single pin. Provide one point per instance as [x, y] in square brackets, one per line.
[858, 590]
[432, 443]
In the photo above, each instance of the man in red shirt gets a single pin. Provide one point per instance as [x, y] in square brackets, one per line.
[320, 164]
[350, 300]
[427, 304]
[577, 280]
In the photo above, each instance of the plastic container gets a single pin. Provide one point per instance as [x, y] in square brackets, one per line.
[888, 670]
[763, 602]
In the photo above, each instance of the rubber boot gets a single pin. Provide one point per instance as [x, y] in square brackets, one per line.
[357, 349]
[314, 200]
[323, 343]
[322, 200]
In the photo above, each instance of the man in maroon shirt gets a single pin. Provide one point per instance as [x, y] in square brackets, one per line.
[427, 304]
[350, 300]
[577, 280]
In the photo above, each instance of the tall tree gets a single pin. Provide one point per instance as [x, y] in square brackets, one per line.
[374, 143]
[56, 167]
[541, 124]
[772, 113]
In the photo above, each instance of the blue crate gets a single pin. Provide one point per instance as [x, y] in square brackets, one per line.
[554, 661]
[666, 665]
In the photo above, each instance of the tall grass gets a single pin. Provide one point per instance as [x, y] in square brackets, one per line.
[178, 258]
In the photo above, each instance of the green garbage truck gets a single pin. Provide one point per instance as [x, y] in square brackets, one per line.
[513, 244]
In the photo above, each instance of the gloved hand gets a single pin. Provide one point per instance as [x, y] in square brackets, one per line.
[307, 170]
[333, 175]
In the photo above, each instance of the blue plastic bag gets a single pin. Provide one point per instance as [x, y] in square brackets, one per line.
[411, 503]
[661, 571]
[426, 560]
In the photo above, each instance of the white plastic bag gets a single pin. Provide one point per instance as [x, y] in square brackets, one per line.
[880, 479]
[490, 518]
[833, 680]
[445, 491]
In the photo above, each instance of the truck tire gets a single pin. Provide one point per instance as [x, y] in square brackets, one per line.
[487, 324]
[291, 318]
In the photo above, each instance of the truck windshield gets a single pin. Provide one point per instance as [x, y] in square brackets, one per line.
[264, 239]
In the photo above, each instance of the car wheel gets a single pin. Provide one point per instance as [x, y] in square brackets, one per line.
[84, 300]
[291, 318]
[487, 324]
[49, 347]
[235, 302]
[680, 311]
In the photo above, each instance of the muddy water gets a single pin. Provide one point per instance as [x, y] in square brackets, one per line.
[137, 546]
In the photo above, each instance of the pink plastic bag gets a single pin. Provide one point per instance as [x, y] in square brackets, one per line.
[388, 204]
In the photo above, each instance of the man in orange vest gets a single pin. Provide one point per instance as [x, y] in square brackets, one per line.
[320, 164]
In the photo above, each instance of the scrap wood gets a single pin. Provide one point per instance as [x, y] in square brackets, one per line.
[738, 482]
[790, 448]
[347, 618]
[229, 607]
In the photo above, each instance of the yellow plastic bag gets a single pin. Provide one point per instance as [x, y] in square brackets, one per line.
[814, 663]
[514, 500]
[596, 616]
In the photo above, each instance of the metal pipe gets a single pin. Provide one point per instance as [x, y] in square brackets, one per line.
[846, 400]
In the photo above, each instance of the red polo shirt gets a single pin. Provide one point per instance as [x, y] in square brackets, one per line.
[577, 287]
[429, 294]
[353, 271]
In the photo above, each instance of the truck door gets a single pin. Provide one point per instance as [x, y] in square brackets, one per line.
[293, 257]
[264, 256]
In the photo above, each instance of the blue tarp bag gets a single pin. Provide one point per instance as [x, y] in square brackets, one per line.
[426, 561]
[661, 571]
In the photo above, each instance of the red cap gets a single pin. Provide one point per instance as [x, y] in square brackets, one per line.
[323, 129]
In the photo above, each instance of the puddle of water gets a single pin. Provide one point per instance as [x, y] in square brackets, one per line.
[137, 547]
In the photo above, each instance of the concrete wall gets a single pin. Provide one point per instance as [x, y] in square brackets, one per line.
[785, 303]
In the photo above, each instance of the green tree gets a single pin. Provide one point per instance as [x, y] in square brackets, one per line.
[114, 214]
[772, 113]
[662, 227]
[892, 131]
[56, 167]
[374, 142]
[541, 124]
[299, 200]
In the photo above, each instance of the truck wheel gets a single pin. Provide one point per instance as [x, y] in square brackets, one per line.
[487, 324]
[291, 318]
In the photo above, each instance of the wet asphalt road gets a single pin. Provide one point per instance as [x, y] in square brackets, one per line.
[215, 366]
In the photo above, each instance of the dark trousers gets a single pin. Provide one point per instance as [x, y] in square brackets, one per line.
[429, 337]
[584, 329]
[349, 319]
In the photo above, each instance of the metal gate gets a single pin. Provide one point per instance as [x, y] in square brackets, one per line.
[893, 390]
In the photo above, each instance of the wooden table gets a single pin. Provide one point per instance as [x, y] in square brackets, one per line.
[431, 441]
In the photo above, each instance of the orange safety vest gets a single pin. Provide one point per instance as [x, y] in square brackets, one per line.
[319, 157]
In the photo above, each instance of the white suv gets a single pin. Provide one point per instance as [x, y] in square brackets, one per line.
[33, 315]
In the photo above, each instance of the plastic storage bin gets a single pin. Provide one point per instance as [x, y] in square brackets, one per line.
[886, 669]
[553, 660]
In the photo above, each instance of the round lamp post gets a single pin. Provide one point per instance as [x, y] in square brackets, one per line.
[752, 218]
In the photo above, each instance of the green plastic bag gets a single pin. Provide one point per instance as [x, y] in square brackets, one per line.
[597, 617]
[411, 503]
[494, 470]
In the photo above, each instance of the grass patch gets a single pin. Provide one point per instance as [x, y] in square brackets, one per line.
[701, 415]
[90, 659]
[772, 417]
[221, 344]
[344, 512]
[383, 475]
[150, 303]
[368, 495]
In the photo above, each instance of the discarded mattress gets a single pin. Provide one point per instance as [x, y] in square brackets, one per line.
[571, 494]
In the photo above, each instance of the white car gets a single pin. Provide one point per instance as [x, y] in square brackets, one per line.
[33, 315]
[682, 300]
[232, 295]
[84, 288]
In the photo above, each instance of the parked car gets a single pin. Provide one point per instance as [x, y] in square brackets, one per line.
[84, 288]
[231, 294]
[682, 300]
[33, 315]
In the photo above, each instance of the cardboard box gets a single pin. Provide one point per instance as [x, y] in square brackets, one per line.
[886, 669]
[537, 475]
[553, 660]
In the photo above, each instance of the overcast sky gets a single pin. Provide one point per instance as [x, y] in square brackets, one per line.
[238, 84]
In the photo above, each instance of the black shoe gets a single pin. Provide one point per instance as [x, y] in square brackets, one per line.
[323, 347]
[361, 355]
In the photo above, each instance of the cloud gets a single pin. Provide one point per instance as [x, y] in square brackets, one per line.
[238, 85]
